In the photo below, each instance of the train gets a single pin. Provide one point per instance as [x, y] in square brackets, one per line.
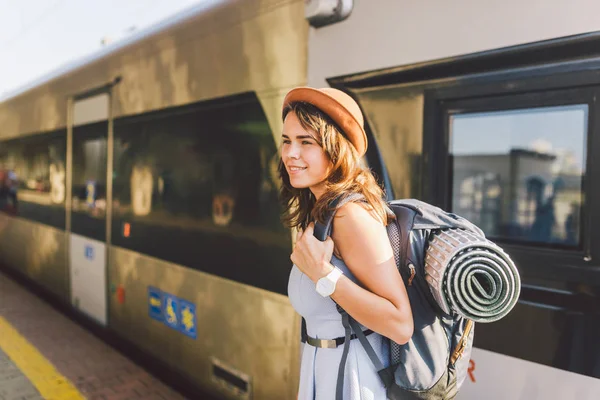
[140, 184]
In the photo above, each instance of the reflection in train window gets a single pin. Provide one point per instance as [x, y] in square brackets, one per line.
[34, 170]
[199, 186]
[215, 170]
[519, 174]
[89, 180]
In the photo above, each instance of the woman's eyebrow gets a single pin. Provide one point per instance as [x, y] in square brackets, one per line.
[299, 136]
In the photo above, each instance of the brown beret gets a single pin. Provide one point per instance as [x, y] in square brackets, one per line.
[339, 106]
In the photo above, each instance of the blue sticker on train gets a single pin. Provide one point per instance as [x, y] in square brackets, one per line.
[89, 252]
[171, 310]
[187, 318]
[174, 312]
[155, 303]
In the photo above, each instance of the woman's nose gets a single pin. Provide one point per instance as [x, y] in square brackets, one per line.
[293, 152]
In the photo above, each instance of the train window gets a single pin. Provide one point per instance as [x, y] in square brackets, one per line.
[32, 171]
[198, 186]
[518, 174]
[89, 181]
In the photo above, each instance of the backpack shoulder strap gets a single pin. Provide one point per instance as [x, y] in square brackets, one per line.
[405, 219]
[339, 389]
[322, 231]
[409, 217]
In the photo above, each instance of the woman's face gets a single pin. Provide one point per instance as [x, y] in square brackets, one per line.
[305, 161]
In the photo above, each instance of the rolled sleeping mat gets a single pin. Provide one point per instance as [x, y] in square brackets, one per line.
[471, 276]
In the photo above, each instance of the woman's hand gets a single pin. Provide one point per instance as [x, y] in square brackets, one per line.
[311, 255]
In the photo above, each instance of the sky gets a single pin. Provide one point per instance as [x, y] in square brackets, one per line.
[39, 36]
[561, 131]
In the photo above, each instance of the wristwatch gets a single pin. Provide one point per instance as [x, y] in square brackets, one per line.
[326, 285]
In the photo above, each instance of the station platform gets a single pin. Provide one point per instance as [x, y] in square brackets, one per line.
[46, 355]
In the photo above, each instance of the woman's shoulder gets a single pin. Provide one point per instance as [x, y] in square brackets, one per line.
[357, 229]
[355, 215]
[354, 209]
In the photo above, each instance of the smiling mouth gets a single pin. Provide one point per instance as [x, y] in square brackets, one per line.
[296, 169]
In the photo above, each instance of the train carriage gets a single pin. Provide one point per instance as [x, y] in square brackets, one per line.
[146, 176]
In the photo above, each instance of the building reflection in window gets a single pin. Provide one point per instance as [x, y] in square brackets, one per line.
[519, 174]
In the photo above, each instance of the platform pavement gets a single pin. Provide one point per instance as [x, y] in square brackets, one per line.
[13, 384]
[46, 355]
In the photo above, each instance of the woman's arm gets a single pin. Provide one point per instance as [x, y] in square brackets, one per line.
[362, 241]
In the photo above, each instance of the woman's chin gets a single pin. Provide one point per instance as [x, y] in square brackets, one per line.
[299, 185]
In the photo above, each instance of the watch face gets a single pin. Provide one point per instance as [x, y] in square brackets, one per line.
[324, 287]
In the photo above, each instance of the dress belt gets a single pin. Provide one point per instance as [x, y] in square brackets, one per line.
[332, 343]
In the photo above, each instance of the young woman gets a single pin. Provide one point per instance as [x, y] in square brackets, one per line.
[323, 142]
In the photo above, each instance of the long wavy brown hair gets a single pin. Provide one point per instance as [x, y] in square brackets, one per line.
[347, 175]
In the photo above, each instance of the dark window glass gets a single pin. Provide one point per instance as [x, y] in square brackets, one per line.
[89, 181]
[519, 174]
[395, 119]
[32, 177]
[198, 187]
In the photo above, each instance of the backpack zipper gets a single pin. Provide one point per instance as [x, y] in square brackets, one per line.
[458, 352]
[412, 274]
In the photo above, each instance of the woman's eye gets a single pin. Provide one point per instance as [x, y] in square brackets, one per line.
[306, 142]
[285, 141]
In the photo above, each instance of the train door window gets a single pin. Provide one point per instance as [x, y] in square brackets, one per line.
[89, 180]
[518, 172]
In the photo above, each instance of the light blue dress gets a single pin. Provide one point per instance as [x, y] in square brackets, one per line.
[319, 369]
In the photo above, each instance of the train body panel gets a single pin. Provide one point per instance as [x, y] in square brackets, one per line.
[246, 329]
[393, 33]
[527, 380]
[174, 173]
[36, 250]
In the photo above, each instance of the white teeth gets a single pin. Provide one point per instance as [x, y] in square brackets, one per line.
[296, 168]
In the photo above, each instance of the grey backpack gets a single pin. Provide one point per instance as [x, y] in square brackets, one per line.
[453, 277]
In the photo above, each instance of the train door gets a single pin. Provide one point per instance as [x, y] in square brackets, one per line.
[520, 166]
[88, 204]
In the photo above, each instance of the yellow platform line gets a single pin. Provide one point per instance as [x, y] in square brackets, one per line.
[42, 374]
